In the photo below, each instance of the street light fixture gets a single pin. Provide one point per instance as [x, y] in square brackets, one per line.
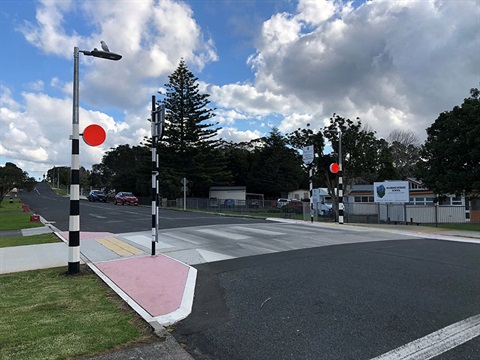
[74, 220]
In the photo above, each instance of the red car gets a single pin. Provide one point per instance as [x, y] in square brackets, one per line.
[126, 198]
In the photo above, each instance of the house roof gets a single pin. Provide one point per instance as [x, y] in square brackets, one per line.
[228, 188]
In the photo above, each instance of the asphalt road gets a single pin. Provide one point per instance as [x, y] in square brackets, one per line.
[354, 301]
[96, 216]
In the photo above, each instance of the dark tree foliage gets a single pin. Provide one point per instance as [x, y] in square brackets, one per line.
[301, 138]
[276, 168]
[11, 176]
[451, 153]
[238, 160]
[190, 146]
[59, 175]
[123, 168]
[385, 166]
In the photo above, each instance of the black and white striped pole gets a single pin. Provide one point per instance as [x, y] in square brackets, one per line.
[310, 175]
[340, 179]
[74, 219]
[157, 120]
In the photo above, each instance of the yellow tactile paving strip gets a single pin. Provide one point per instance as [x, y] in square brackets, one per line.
[119, 247]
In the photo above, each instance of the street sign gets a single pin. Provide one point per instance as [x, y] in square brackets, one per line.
[184, 181]
[391, 192]
[308, 154]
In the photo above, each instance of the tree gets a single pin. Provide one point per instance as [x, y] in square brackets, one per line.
[276, 168]
[124, 168]
[189, 147]
[451, 154]
[12, 177]
[360, 155]
[405, 148]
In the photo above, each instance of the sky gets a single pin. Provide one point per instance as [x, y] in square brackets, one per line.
[395, 64]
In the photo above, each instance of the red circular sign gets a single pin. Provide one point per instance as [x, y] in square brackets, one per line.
[94, 135]
[334, 168]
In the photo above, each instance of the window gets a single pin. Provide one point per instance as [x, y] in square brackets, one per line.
[457, 200]
[364, 199]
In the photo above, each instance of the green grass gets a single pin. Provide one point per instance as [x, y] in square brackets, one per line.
[45, 314]
[28, 240]
[468, 226]
[12, 216]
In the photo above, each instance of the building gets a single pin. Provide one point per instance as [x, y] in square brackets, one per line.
[423, 207]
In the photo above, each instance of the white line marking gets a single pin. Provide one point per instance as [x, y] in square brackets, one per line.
[224, 234]
[436, 343]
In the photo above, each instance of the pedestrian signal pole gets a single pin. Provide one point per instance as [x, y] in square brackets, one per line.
[157, 121]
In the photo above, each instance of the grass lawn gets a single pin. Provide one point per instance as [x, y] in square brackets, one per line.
[28, 240]
[45, 314]
[12, 216]
[468, 226]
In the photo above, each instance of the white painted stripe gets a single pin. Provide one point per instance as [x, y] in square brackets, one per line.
[75, 192]
[436, 343]
[74, 223]
[73, 254]
[75, 161]
[224, 234]
[257, 231]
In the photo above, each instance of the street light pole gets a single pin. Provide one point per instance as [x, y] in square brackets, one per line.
[340, 179]
[74, 220]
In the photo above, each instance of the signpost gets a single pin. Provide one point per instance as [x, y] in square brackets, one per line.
[308, 157]
[184, 183]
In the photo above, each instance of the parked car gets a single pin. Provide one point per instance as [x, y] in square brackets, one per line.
[294, 206]
[253, 203]
[229, 203]
[124, 197]
[282, 202]
[97, 195]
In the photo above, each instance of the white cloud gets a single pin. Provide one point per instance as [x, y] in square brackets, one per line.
[405, 61]
[394, 64]
[235, 135]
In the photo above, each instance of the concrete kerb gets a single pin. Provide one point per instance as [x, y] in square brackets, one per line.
[459, 237]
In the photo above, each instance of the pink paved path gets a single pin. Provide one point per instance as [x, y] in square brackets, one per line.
[156, 283]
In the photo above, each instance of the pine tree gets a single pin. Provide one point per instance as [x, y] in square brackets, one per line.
[189, 147]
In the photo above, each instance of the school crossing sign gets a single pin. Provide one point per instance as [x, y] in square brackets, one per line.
[391, 192]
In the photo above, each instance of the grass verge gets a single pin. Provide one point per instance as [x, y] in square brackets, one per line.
[46, 314]
[12, 216]
[28, 240]
[468, 227]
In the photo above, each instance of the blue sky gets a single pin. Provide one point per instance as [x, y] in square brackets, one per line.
[395, 64]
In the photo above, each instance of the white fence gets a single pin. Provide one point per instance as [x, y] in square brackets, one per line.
[402, 213]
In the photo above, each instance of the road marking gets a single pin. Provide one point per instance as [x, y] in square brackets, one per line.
[257, 231]
[98, 216]
[436, 343]
[224, 234]
[119, 247]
